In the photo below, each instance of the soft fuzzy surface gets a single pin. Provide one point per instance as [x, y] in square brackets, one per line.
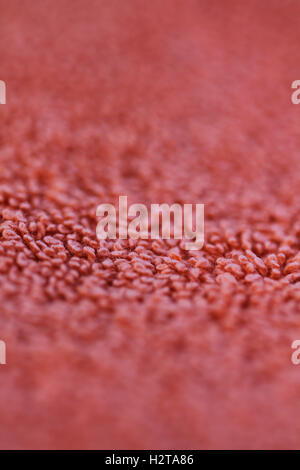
[145, 345]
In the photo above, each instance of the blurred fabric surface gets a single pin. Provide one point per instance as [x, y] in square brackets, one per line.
[145, 345]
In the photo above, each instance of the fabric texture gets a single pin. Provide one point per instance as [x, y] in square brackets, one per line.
[141, 344]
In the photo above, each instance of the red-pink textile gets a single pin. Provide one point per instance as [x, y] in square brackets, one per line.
[126, 344]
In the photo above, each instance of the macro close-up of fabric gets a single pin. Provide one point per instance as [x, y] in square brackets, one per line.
[139, 343]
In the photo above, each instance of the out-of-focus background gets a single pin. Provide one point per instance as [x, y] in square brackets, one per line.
[120, 345]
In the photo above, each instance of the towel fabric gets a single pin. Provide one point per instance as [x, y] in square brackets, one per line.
[142, 344]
